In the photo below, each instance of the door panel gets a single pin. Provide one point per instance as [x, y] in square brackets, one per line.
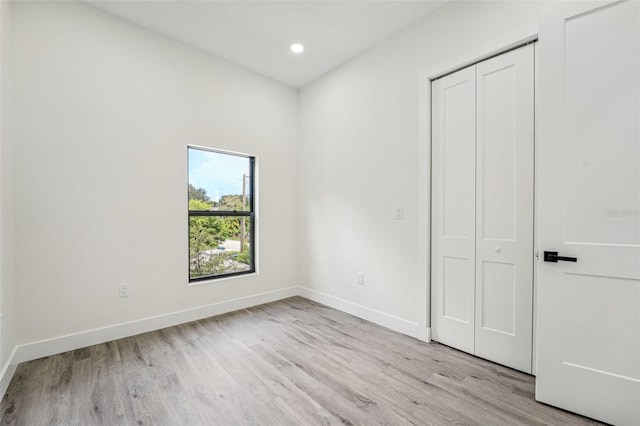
[453, 210]
[504, 199]
[601, 116]
[596, 295]
[589, 203]
[498, 293]
[497, 123]
[456, 295]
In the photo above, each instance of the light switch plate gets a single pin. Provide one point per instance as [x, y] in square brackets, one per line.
[398, 213]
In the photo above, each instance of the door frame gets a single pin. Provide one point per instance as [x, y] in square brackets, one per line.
[497, 47]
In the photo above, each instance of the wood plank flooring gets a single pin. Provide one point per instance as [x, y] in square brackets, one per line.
[292, 362]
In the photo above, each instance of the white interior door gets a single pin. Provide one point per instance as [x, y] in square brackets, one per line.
[588, 335]
[504, 208]
[453, 208]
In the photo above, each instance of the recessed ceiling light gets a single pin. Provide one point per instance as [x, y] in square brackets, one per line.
[297, 48]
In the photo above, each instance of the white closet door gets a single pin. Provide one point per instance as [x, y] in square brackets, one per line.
[453, 208]
[504, 208]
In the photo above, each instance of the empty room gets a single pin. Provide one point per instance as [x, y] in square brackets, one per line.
[319, 212]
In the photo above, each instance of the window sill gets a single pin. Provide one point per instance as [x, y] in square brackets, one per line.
[213, 280]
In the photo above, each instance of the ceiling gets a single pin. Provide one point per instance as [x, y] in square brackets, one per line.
[257, 34]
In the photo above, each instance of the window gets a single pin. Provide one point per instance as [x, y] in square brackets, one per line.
[221, 214]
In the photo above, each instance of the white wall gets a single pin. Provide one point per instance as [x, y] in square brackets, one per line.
[103, 112]
[7, 284]
[360, 158]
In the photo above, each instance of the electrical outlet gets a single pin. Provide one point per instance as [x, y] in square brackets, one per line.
[360, 278]
[123, 290]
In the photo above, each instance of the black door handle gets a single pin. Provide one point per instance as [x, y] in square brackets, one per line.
[552, 256]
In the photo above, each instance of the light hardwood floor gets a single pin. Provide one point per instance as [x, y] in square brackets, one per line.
[292, 362]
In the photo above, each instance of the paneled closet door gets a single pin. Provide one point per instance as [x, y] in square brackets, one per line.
[504, 208]
[453, 209]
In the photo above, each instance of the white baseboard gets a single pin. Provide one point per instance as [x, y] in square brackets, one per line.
[7, 372]
[381, 318]
[56, 345]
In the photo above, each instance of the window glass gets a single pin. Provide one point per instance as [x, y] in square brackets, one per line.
[221, 216]
[219, 180]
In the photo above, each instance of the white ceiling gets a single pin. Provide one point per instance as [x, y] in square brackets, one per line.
[257, 34]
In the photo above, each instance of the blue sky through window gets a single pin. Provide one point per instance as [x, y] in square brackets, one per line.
[219, 174]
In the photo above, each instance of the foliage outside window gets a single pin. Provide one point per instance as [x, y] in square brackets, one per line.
[221, 214]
